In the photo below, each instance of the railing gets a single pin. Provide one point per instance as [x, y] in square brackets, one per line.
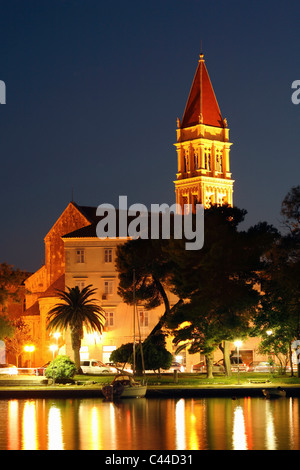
[28, 371]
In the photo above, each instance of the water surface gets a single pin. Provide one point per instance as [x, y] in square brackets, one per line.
[150, 424]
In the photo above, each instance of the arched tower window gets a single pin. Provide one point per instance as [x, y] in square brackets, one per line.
[219, 163]
[207, 158]
[196, 159]
[186, 160]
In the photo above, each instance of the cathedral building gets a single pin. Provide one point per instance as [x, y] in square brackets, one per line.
[75, 256]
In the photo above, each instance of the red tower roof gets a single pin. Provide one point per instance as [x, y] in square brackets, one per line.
[202, 105]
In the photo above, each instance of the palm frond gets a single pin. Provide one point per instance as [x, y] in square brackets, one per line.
[76, 309]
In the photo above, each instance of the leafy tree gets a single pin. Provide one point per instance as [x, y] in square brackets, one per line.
[64, 369]
[6, 327]
[77, 310]
[155, 354]
[21, 335]
[277, 344]
[144, 268]
[11, 281]
[214, 285]
[123, 354]
[218, 282]
[281, 280]
[148, 262]
[290, 209]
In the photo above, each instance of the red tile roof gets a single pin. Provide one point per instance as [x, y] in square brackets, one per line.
[202, 101]
[59, 284]
[33, 310]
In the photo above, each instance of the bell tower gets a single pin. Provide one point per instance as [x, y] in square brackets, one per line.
[203, 147]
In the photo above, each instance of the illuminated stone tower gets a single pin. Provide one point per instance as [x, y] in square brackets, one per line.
[203, 147]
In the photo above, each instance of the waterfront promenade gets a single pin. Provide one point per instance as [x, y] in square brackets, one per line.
[38, 387]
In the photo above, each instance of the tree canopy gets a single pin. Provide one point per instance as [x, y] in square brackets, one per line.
[215, 286]
[218, 283]
[77, 309]
[281, 279]
[11, 281]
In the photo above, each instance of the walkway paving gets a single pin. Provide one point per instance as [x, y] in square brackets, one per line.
[35, 387]
[22, 380]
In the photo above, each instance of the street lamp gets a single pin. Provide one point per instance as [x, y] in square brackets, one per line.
[56, 335]
[238, 344]
[29, 348]
[53, 348]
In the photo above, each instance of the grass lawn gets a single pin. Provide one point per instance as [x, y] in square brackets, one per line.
[245, 378]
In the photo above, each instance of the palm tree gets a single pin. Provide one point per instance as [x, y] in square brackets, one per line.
[77, 310]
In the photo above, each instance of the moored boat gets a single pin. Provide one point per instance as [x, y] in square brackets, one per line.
[124, 386]
[274, 392]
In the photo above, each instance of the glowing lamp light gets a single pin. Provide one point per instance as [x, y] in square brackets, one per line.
[269, 332]
[53, 348]
[238, 343]
[29, 348]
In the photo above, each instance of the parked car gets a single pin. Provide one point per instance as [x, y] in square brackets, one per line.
[219, 366]
[94, 367]
[201, 367]
[261, 366]
[174, 366]
[8, 369]
[237, 364]
[115, 368]
[41, 370]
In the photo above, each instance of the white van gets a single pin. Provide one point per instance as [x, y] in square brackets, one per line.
[93, 367]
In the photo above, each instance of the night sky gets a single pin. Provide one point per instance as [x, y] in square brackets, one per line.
[94, 89]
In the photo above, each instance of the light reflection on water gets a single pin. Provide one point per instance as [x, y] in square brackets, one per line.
[150, 424]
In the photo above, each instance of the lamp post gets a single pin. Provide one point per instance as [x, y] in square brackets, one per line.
[53, 348]
[29, 348]
[56, 336]
[238, 344]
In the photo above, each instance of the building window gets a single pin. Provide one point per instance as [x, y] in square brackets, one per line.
[185, 208]
[219, 166]
[108, 287]
[79, 256]
[207, 156]
[195, 202]
[109, 319]
[143, 317]
[186, 160]
[196, 159]
[108, 255]
[80, 284]
[209, 200]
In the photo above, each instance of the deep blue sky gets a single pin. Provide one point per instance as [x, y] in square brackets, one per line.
[94, 89]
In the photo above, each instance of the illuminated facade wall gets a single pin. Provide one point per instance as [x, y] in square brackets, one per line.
[90, 261]
[41, 286]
